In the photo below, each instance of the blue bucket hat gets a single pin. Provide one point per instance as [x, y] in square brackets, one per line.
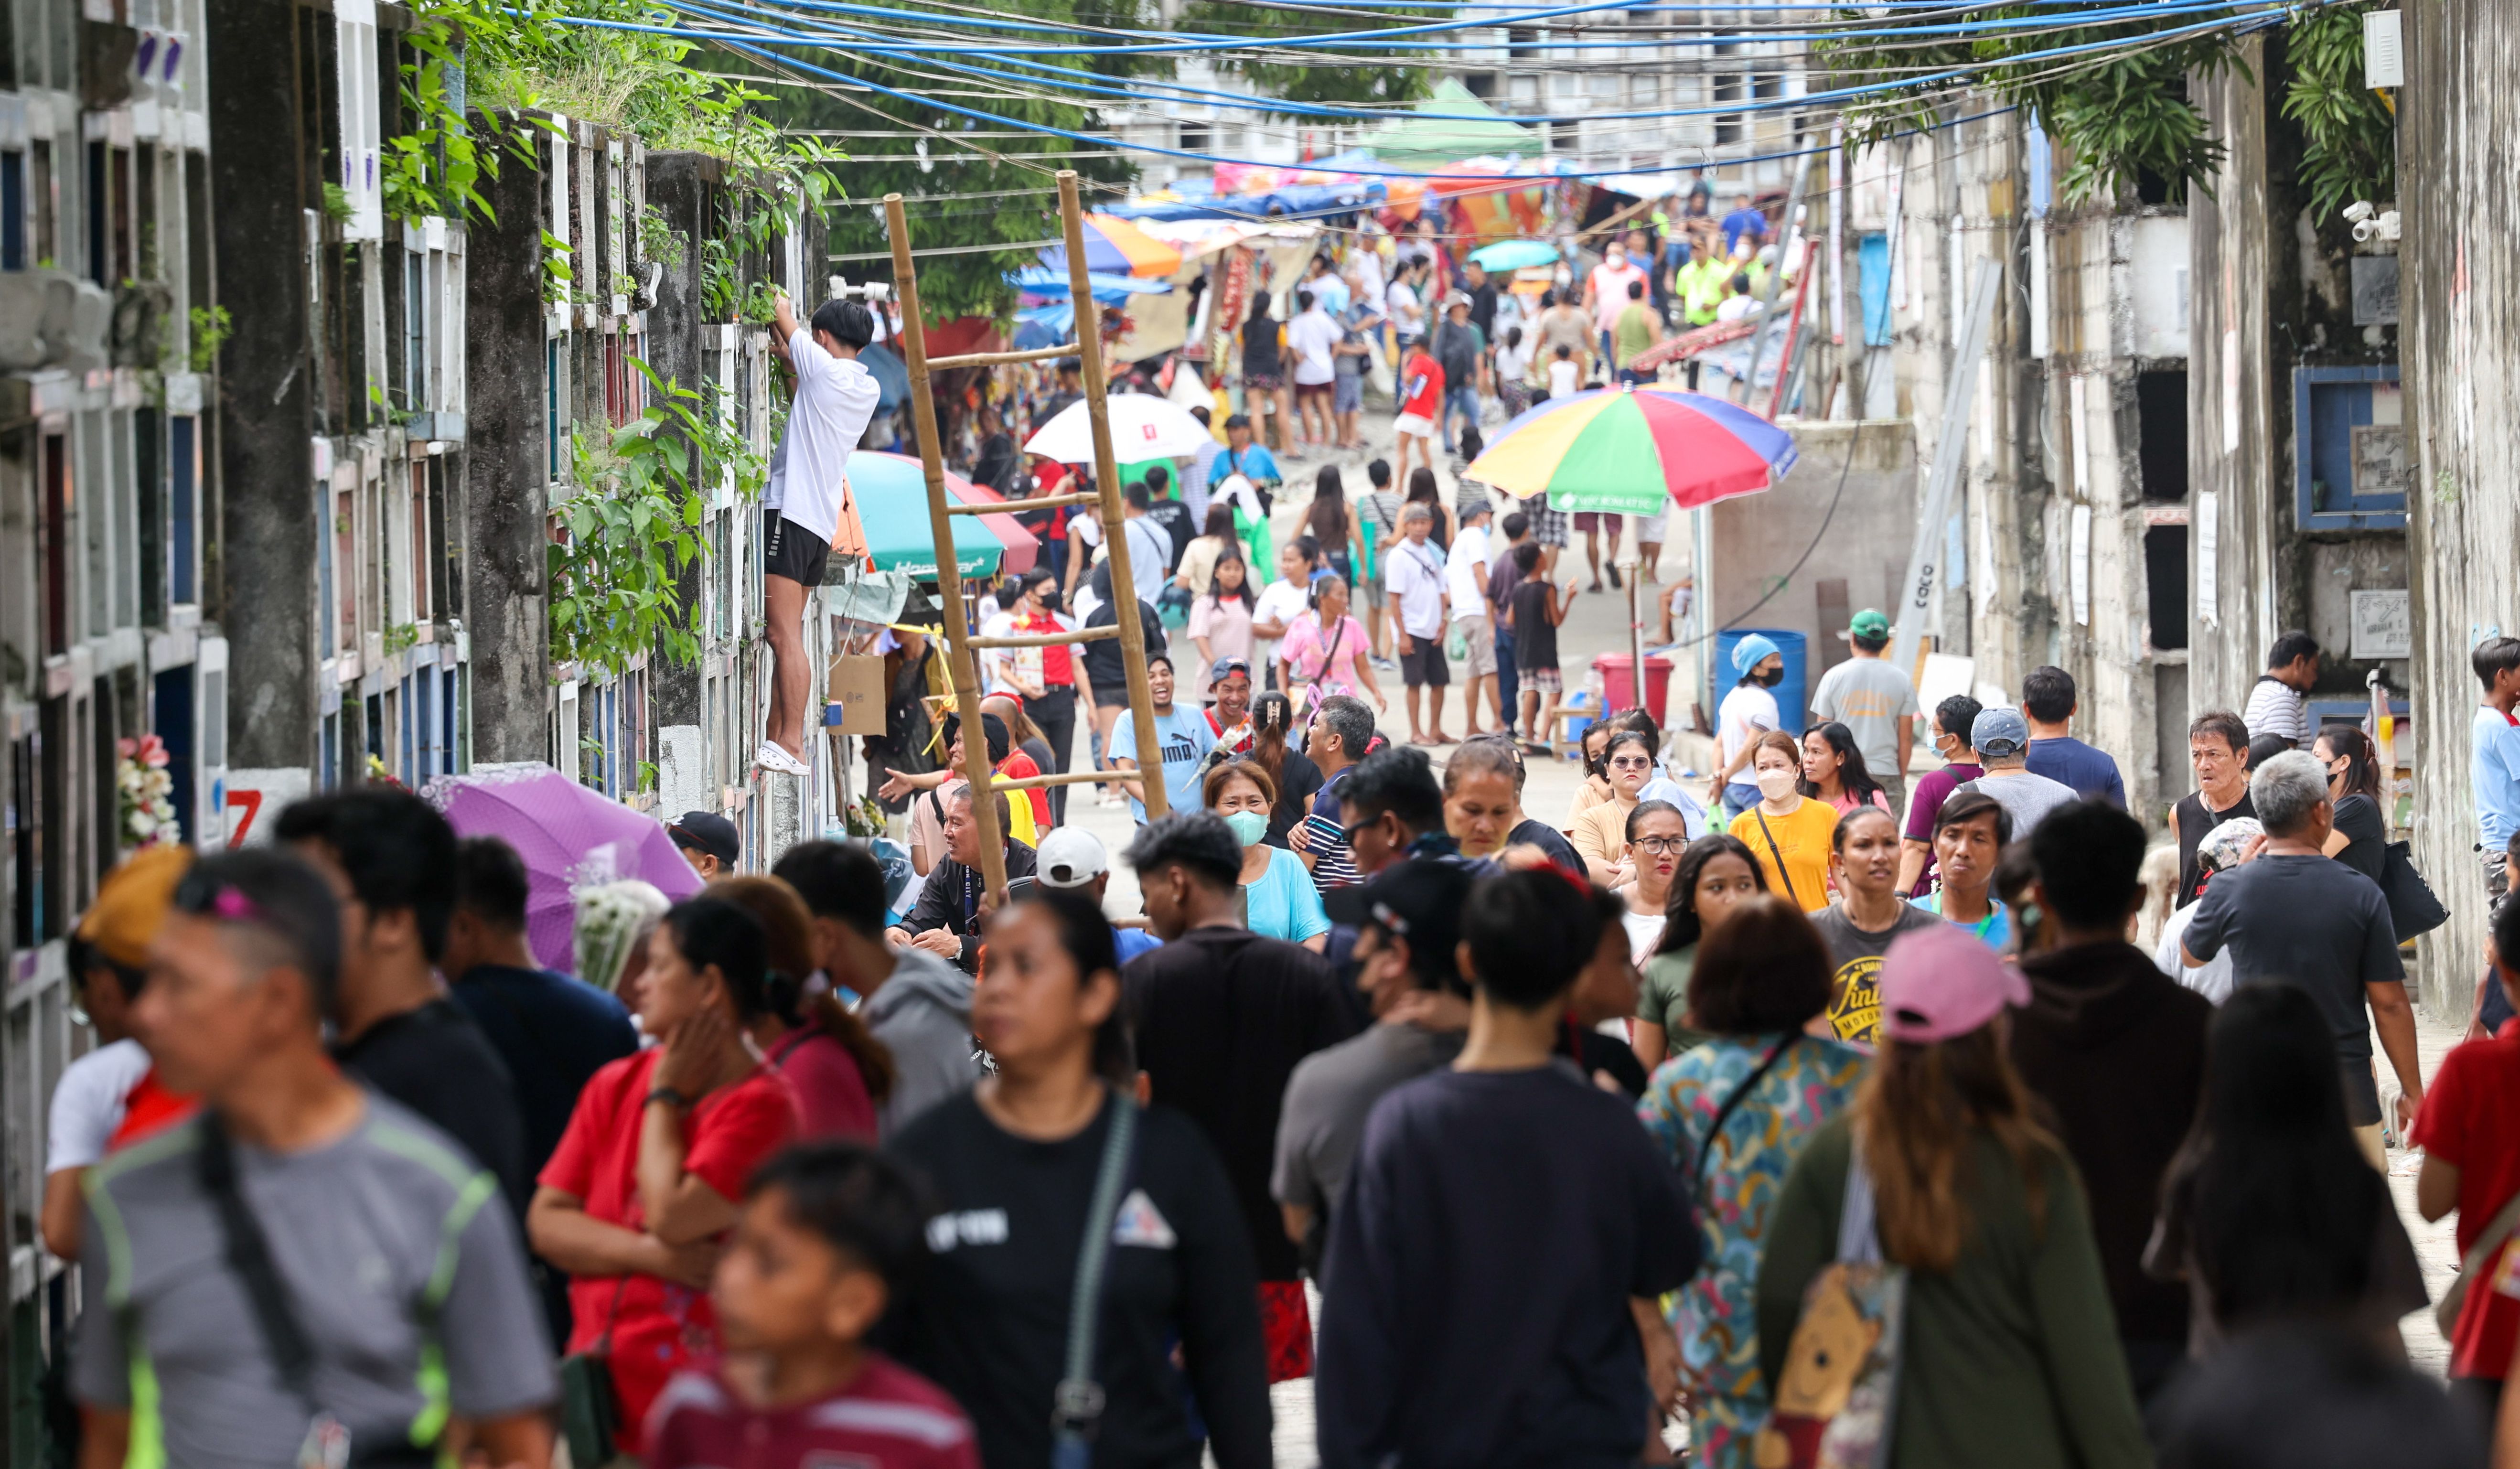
[1749, 652]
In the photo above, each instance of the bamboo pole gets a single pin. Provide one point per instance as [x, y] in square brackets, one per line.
[949, 573]
[1048, 640]
[1107, 480]
[1000, 359]
[1022, 506]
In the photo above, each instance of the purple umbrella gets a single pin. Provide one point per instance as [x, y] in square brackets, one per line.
[571, 837]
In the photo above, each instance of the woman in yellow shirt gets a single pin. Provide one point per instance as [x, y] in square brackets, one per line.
[1787, 831]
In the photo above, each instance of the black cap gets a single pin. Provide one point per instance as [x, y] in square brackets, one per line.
[707, 831]
[1420, 900]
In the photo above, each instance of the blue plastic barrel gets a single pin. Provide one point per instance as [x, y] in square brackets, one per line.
[1792, 695]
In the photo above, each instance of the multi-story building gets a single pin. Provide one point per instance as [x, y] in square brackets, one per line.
[281, 481]
[110, 494]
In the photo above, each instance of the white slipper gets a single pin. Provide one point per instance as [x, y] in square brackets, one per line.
[779, 762]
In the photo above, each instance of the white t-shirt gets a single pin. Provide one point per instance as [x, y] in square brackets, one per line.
[1405, 315]
[1735, 307]
[1747, 710]
[995, 662]
[1150, 550]
[1414, 574]
[834, 400]
[1466, 572]
[1566, 378]
[1280, 601]
[87, 1103]
[1514, 363]
[1313, 336]
[1368, 274]
[2211, 979]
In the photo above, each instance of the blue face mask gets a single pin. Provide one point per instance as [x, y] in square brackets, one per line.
[1248, 826]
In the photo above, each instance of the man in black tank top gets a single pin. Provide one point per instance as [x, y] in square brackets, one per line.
[2217, 747]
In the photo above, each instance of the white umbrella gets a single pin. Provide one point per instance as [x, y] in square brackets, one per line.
[1142, 427]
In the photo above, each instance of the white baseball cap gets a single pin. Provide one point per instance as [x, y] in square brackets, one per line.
[1071, 857]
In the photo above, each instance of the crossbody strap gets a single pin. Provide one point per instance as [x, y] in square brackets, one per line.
[1078, 1405]
[1740, 1093]
[1787, 879]
[248, 1252]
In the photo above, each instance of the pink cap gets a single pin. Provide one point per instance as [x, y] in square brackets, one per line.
[1943, 982]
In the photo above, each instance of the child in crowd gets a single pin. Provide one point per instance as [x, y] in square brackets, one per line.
[1422, 405]
[828, 1231]
[1534, 612]
[1565, 375]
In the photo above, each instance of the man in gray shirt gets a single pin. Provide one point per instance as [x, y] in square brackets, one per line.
[1876, 703]
[1408, 919]
[305, 1261]
[2001, 739]
[919, 1005]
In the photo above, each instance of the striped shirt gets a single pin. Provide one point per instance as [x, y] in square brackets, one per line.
[2277, 708]
[1333, 861]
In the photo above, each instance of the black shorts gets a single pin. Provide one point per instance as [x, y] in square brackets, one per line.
[1423, 665]
[790, 550]
[1111, 696]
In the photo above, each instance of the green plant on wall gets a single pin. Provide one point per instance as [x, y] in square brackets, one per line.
[2123, 112]
[2350, 140]
[631, 528]
[211, 328]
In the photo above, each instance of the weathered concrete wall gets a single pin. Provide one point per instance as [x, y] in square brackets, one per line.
[269, 524]
[2460, 190]
[2270, 294]
[2236, 458]
[507, 493]
[1757, 538]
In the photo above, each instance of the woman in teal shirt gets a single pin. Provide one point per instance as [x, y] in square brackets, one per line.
[1279, 898]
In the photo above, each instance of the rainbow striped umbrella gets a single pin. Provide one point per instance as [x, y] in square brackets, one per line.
[1636, 451]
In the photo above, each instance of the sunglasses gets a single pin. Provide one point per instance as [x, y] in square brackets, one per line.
[1632, 763]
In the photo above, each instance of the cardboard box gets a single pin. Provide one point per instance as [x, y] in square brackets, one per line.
[856, 689]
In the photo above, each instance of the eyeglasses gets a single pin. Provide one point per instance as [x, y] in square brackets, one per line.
[1660, 846]
[1632, 763]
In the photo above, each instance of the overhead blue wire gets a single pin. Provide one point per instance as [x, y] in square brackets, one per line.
[1071, 135]
[1194, 42]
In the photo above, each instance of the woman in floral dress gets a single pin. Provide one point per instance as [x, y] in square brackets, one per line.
[1759, 1087]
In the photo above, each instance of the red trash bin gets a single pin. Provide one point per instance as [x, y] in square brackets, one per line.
[1619, 685]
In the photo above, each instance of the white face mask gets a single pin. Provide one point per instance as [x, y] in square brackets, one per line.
[1776, 784]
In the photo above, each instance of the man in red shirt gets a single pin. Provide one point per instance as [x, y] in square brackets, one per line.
[2469, 1128]
[1421, 404]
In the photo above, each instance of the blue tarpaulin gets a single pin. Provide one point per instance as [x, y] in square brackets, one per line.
[1300, 202]
[1110, 291]
[1872, 270]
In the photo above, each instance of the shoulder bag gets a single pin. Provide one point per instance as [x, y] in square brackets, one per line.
[1330, 657]
[1724, 1113]
[2412, 907]
[590, 1407]
[1783, 875]
[2474, 1261]
[1076, 1409]
[246, 1252]
[1834, 1400]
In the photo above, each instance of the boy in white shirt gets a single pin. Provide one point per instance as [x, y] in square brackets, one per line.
[835, 399]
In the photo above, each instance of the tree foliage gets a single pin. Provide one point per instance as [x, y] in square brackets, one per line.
[2125, 114]
[2349, 141]
[917, 156]
[2121, 117]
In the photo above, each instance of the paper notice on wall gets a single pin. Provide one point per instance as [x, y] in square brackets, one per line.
[2209, 610]
[2080, 565]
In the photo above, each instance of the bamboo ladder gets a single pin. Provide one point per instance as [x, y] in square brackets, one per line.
[962, 646]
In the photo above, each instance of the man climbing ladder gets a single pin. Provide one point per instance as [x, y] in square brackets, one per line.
[835, 396]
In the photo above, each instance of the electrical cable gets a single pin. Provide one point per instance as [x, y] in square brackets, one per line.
[1751, 106]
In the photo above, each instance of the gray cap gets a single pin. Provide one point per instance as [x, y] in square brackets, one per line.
[2000, 731]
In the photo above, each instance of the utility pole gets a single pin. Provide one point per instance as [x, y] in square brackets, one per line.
[1951, 455]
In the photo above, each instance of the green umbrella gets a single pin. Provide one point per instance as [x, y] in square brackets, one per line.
[889, 492]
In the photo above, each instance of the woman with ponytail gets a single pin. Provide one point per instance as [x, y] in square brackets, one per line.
[2007, 1358]
[1291, 769]
[841, 1072]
